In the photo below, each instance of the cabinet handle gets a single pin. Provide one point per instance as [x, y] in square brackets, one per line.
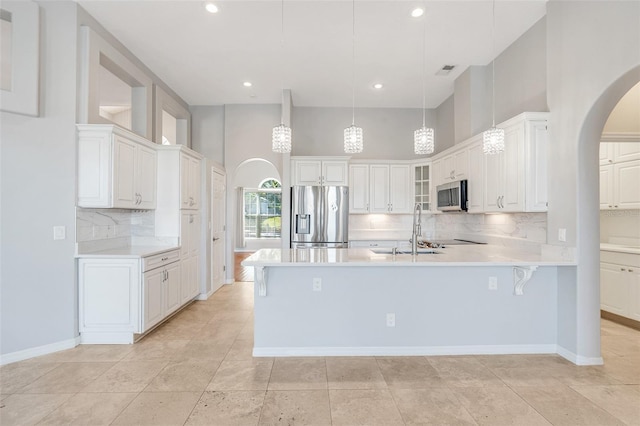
[630, 270]
[373, 245]
[623, 269]
[164, 258]
[610, 206]
[391, 207]
[367, 206]
[615, 207]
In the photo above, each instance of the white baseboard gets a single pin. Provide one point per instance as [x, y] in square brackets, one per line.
[39, 351]
[108, 338]
[403, 350]
[229, 281]
[204, 296]
[578, 359]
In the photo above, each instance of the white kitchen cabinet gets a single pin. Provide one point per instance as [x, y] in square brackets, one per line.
[619, 188]
[606, 153]
[116, 168]
[422, 190]
[121, 297]
[320, 171]
[475, 180]
[455, 166]
[189, 181]
[190, 279]
[625, 151]
[620, 284]
[516, 179]
[190, 232]
[380, 188]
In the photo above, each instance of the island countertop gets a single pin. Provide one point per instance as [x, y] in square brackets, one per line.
[481, 255]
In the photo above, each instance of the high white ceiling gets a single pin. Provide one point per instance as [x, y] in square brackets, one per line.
[206, 57]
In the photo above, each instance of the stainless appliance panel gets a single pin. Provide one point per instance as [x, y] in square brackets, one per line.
[319, 214]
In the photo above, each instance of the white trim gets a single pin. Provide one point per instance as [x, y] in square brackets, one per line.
[205, 296]
[106, 338]
[620, 137]
[39, 351]
[402, 350]
[579, 359]
[229, 281]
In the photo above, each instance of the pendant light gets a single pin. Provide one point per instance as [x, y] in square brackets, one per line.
[423, 138]
[281, 135]
[493, 139]
[353, 142]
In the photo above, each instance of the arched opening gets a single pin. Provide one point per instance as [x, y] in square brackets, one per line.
[588, 213]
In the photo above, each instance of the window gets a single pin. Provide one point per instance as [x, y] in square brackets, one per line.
[263, 210]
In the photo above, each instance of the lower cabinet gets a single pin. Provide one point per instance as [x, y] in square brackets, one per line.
[620, 288]
[122, 297]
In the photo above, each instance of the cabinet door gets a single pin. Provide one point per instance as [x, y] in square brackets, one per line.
[124, 173]
[194, 234]
[422, 186]
[185, 243]
[153, 299]
[606, 153]
[307, 172]
[146, 179]
[461, 164]
[513, 179]
[626, 178]
[172, 290]
[194, 183]
[184, 181]
[633, 279]
[400, 189]
[537, 149]
[335, 173]
[613, 289]
[379, 188]
[493, 181]
[475, 186]
[190, 279]
[625, 151]
[606, 187]
[359, 188]
[448, 171]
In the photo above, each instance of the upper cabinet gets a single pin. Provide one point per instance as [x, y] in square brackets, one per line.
[180, 178]
[189, 181]
[619, 175]
[422, 181]
[116, 169]
[320, 171]
[380, 188]
[516, 179]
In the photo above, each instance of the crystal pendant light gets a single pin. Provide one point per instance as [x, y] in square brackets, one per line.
[493, 139]
[353, 142]
[281, 135]
[423, 138]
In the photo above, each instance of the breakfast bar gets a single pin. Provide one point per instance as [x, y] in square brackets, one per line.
[454, 300]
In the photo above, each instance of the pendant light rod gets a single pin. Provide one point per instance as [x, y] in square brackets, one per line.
[353, 62]
[493, 64]
[282, 61]
[424, 67]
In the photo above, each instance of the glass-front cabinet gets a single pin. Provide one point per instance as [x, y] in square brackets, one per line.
[422, 186]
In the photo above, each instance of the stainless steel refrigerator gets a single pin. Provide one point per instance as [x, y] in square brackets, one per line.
[319, 216]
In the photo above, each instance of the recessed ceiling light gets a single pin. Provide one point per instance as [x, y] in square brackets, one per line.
[247, 84]
[211, 8]
[417, 12]
[377, 86]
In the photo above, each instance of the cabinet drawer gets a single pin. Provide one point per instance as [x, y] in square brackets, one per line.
[159, 260]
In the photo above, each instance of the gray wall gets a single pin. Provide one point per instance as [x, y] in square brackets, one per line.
[207, 131]
[387, 132]
[38, 183]
[445, 125]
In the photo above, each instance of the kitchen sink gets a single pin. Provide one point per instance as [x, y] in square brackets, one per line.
[420, 251]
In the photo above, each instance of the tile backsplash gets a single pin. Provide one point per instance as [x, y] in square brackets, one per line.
[108, 224]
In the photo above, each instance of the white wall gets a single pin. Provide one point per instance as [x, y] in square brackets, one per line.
[445, 125]
[207, 131]
[251, 173]
[625, 117]
[37, 284]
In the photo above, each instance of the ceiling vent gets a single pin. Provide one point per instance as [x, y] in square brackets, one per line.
[445, 70]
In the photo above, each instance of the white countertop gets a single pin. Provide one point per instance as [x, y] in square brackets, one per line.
[128, 252]
[484, 255]
[620, 248]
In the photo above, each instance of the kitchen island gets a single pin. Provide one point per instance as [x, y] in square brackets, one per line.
[459, 300]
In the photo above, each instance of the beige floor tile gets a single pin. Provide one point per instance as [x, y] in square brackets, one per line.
[159, 409]
[219, 331]
[435, 406]
[14, 377]
[622, 401]
[622, 345]
[241, 375]
[563, 405]
[409, 372]
[93, 353]
[127, 376]
[363, 407]
[204, 350]
[70, 377]
[354, 373]
[583, 375]
[227, 408]
[241, 350]
[174, 331]
[497, 406]
[521, 361]
[306, 407]
[298, 373]
[464, 371]
[531, 376]
[156, 350]
[184, 376]
[89, 409]
[21, 409]
[624, 369]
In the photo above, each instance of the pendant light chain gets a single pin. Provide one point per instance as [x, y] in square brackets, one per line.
[353, 63]
[424, 69]
[423, 138]
[281, 135]
[493, 64]
[282, 56]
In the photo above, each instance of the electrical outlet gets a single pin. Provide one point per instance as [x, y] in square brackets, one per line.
[562, 234]
[493, 283]
[59, 232]
[317, 284]
[391, 320]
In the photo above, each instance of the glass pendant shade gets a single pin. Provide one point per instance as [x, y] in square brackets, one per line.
[281, 140]
[423, 141]
[353, 143]
[493, 141]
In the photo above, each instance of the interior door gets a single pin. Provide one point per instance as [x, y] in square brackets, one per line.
[218, 208]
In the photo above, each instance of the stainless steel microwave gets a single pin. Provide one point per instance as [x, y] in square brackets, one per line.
[452, 196]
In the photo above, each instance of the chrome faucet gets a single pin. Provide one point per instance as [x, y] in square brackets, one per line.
[417, 228]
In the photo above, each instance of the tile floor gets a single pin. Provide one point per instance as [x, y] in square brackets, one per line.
[198, 370]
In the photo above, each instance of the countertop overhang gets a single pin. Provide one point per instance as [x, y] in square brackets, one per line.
[485, 255]
[128, 252]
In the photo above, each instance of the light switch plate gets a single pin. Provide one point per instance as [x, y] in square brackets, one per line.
[562, 234]
[317, 284]
[59, 232]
